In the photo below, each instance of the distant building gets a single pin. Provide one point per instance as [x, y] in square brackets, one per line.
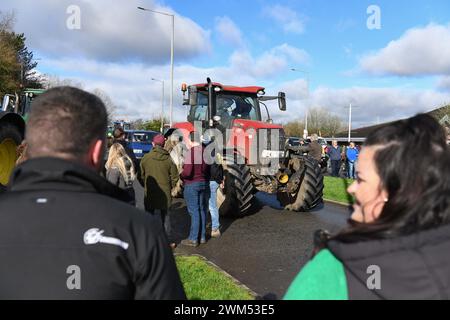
[441, 114]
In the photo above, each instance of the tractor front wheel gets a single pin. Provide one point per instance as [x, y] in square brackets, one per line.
[310, 191]
[237, 198]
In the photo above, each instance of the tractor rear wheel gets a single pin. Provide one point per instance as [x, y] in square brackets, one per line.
[10, 138]
[310, 192]
[237, 198]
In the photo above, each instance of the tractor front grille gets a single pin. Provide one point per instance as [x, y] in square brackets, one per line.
[271, 139]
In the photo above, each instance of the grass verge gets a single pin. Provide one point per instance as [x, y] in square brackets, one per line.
[203, 281]
[335, 189]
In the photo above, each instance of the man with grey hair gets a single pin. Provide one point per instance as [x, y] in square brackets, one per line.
[314, 149]
[67, 233]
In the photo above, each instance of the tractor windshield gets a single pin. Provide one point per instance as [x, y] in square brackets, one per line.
[233, 106]
[229, 106]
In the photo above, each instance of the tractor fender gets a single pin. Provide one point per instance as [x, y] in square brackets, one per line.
[14, 119]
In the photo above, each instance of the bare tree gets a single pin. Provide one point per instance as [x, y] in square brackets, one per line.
[6, 21]
[137, 124]
[294, 128]
[111, 107]
[52, 81]
[324, 122]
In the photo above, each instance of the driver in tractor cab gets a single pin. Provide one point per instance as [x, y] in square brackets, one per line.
[242, 110]
[314, 149]
[224, 110]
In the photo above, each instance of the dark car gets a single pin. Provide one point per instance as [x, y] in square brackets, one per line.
[293, 141]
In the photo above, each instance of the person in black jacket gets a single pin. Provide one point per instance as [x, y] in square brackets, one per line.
[66, 232]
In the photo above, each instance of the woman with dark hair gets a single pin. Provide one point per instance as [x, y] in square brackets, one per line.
[397, 243]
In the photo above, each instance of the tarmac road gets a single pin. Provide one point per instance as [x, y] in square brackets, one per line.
[264, 250]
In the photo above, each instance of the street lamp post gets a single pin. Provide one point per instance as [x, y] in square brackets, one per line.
[350, 107]
[350, 123]
[162, 103]
[172, 40]
[305, 132]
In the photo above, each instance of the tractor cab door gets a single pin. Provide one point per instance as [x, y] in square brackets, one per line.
[199, 111]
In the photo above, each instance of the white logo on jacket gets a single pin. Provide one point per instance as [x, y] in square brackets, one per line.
[95, 235]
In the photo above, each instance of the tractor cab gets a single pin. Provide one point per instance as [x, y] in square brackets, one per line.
[20, 103]
[228, 107]
[217, 105]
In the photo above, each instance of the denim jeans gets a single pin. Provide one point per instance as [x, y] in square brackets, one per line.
[213, 210]
[195, 195]
[351, 170]
[335, 167]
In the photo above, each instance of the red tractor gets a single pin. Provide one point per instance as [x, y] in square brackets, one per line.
[254, 152]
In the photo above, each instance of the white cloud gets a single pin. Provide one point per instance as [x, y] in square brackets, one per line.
[420, 51]
[131, 88]
[444, 84]
[229, 31]
[110, 30]
[286, 17]
[370, 104]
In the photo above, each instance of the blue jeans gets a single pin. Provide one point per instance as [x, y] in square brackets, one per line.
[195, 195]
[213, 210]
[351, 170]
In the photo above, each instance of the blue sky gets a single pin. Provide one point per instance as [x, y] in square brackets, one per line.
[396, 71]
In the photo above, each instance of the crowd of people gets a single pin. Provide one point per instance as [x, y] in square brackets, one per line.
[60, 214]
[158, 173]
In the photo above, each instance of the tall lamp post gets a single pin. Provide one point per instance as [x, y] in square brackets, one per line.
[172, 39]
[305, 132]
[350, 107]
[162, 103]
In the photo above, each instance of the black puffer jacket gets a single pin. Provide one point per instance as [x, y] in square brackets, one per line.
[411, 267]
[59, 216]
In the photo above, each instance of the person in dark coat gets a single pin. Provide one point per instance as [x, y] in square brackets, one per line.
[66, 232]
[159, 175]
[216, 180]
[335, 154]
[398, 238]
[314, 149]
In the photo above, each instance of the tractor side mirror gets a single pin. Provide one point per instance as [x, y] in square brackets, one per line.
[282, 101]
[192, 95]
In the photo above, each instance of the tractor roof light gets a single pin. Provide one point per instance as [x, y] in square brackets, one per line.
[217, 89]
[261, 92]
